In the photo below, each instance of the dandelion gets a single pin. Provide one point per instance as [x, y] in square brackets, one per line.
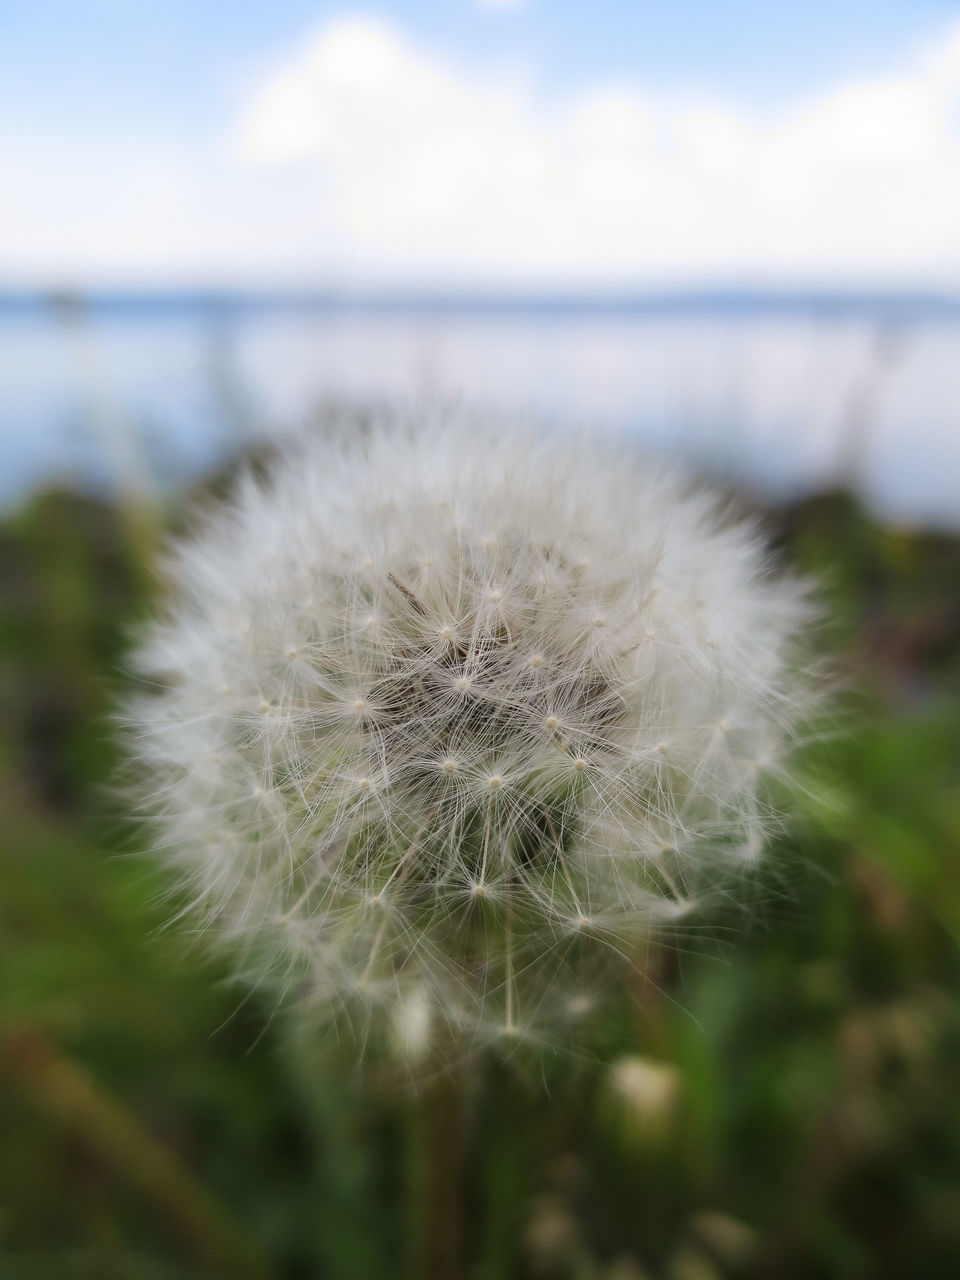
[446, 723]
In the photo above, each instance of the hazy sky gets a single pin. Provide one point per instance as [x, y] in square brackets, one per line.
[531, 142]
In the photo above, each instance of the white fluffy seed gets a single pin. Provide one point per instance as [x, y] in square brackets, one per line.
[276, 843]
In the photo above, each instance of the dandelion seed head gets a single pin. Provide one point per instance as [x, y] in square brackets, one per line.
[347, 761]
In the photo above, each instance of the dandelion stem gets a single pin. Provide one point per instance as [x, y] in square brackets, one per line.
[508, 941]
[563, 863]
[404, 862]
[397, 873]
[373, 950]
[486, 843]
[441, 1153]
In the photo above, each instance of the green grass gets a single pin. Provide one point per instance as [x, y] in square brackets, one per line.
[157, 1121]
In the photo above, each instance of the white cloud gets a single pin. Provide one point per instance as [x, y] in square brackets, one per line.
[427, 165]
[364, 156]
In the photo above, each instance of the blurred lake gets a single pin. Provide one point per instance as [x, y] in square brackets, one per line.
[781, 393]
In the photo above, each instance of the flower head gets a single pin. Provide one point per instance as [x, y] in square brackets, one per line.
[451, 719]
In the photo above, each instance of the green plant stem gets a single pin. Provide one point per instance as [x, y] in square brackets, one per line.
[441, 1138]
[61, 1089]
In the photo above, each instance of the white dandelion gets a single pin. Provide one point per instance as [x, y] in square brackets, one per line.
[446, 722]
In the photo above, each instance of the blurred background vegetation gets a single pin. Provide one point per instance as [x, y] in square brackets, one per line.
[730, 230]
[780, 1102]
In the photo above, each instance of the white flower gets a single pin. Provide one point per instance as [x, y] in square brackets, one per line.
[454, 717]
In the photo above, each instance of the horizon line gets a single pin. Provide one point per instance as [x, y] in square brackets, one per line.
[881, 302]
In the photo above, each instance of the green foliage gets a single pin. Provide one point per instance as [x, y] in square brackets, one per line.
[808, 1066]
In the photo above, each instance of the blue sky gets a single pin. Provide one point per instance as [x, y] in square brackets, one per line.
[171, 60]
[114, 114]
